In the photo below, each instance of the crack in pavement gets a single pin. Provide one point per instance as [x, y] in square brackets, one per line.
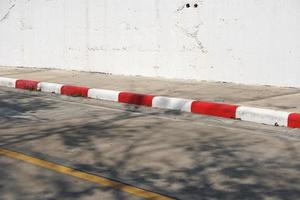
[272, 96]
[7, 13]
[193, 35]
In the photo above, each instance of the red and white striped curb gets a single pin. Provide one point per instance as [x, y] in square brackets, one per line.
[244, 113]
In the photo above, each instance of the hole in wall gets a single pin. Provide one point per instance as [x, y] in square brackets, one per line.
[187, 5]
[195, 5]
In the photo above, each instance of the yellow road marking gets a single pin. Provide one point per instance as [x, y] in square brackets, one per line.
[83, 175]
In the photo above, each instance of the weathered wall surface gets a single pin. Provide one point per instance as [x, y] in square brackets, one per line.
[243, 41]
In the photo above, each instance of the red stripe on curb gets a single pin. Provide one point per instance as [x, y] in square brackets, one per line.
[27, 84]
[294, 120]
[138, 99]
[74, 90]
[214, 109]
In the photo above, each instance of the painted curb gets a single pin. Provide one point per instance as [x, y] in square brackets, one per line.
[244, 113]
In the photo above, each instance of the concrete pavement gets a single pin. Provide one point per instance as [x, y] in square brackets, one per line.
[177, 154]
[20, 180]
[278, 98]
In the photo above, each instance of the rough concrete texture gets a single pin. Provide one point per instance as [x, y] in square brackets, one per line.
[20, 180]
[279, 98]
[179, 154]
[250, 42]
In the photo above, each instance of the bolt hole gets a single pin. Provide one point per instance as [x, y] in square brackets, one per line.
[187, 5]
[195, 5]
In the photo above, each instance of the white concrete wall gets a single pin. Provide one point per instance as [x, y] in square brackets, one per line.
[243, 41]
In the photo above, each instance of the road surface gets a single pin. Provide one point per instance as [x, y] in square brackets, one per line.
[138, 151]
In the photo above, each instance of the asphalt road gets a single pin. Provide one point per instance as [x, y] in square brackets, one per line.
[173, 154]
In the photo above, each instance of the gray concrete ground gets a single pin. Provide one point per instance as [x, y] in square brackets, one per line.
[178, 154]
[280, 98]
[20, 180]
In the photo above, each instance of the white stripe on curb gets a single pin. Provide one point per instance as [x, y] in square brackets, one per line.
[8, 82]
[49, 87]
[264, 116]
[258, 115]
[109, 95]
[172, 103]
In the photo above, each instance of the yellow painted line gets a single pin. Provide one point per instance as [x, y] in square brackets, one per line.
[83, 175]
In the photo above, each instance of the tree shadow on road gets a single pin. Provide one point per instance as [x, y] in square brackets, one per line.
[187, 161]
